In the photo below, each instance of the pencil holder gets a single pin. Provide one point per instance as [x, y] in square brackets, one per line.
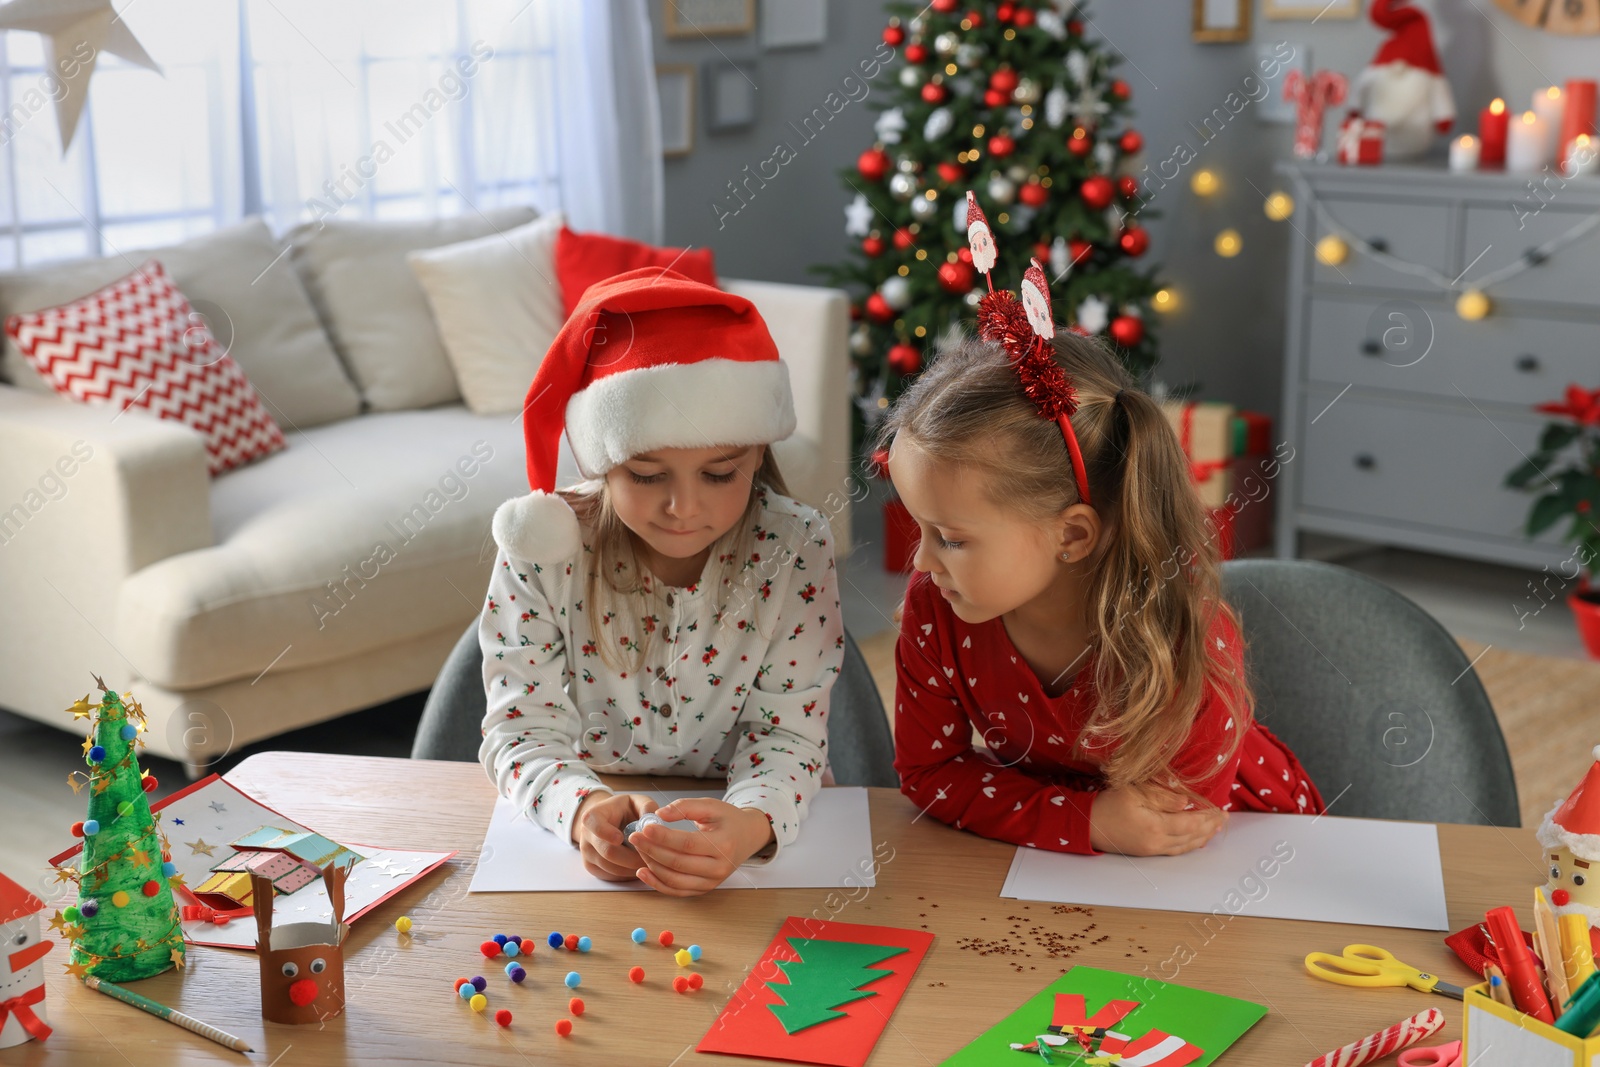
[1497, 1036]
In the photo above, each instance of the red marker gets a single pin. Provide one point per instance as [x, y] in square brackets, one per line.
[1521, 974]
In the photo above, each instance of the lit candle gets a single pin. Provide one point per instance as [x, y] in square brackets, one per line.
[1526, 151]
[1547, 104]
[1577, 115]
[1583, 157]
[1492, 124]
[1464, 154]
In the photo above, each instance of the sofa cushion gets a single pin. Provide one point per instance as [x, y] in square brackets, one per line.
[497, 306]
[376, 531]
[372, 306]
[256, 308]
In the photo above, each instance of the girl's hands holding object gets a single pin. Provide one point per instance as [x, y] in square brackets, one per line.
[687, 863]
[597, 830]
[1148, 821]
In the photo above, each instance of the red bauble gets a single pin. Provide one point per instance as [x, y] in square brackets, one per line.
[872, 246]
[905, 360]
[1126, 330]
[944, 7]
[1080, 146]
[916, 53]
[1004, 79]
[1135, 240]
[903, 238]
[995, 98]
[957, 277]
[893, 36]
[952, 172]
[1033, 194]
[878, 308]
[1079, 249]
[873, 164]
[1041, 251]
[933, 92]
[1005, 12]
[964, 253]
[1121, 89]
[974, 20]
[1097, 191]
[1023, 17]
[1002, 145]
[1128, 186]
[1131, 142]
[1075, 28]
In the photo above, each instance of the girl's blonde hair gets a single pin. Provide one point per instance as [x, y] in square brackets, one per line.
[613, 581]
[1155, 587]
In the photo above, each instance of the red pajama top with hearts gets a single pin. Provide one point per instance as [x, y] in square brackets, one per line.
[1021, 783]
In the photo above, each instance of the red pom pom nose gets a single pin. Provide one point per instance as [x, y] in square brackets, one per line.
[303, 992]
[1560, 898]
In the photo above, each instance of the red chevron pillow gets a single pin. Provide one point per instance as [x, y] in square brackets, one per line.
[138, 344]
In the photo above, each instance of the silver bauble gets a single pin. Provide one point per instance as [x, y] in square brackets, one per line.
[1002, 190]
[860, 341]
[923, 209]
[912, 76]
[903, 186]
[896, 292]
[946, 44]
[1026, 92]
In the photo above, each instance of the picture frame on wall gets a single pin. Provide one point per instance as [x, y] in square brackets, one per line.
[1221, 21]
[708, 18]
[730, 91]
[793, 23]
[675, 92]
[1311, 10]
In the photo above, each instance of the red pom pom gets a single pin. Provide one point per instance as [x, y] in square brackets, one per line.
[635, 974]
[1001, 318]
[77, 828]
[461, 982]
[1560, 898]
[665, 938]
[680, 984]
[933, 92]
[151, 888]
[575, 1005]
[149, 783]
[695, 981]
[893, 36]
[490, 949]
[873, 164]
[1097, 192]
[572, 942]
[1131, 142]
[1126, 330]
[503, 1017]
[563, 1027]
[303, 992]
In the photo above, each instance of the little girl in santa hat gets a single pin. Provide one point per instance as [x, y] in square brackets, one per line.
[1066, 603]
[676, 612]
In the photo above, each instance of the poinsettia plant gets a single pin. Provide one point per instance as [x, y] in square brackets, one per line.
[1571, 490]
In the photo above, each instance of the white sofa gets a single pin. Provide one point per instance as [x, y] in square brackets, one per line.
[328, 577]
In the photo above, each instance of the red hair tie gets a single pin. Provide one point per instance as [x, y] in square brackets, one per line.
[1024, 328]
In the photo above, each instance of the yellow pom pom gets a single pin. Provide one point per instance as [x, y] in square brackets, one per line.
[119, 899]
[403, 924]
[683, 958]
[1473, 305]
[478, 1002]
[1332, 250]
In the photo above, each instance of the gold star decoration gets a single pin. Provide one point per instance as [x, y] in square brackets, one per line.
[101, 783]
[143, 945]
[199, 845]
[72, 933]
[72, 780]
[88, 743]
[66, 874]
[177, 880]
[177, 959]
[81, 709]
[141, 858]
[58, 921]
[77, 970]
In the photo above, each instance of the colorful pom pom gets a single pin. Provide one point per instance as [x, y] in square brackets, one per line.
[639, 935]
[575, 1005]
[503, 1017]
[682, 956]
[91, 827]
[465, 990]
[572, 979]
[635, 974]
[128, 731]
[150, 888]
[119, 899]
[695, 953]
[516, 939]
[169, 868]
[490, 949]
[403, 924]
[680, 984]
[89, 908]
[149, 783]
[71, 915]
[563, 1027]
[125, 808]
[665, 938]
[695, 981]
[584, 944]
[571, 942]
[511, 948]
[77, 828]
[478, 1002]
[97, 753]
[499, 939]
[555, 940]
[516, 972]
[479, 982]
[461, 982]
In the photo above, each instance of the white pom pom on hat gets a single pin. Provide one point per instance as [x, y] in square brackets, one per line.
[539, 527]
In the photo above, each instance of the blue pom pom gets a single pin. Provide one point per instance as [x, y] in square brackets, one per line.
[467, 990]
[499, 939]
[91, 827]
[97, 753]
[556, 940]
[169, 868]
[573, 978]
[517, 973]
[128, 731]
[511, 948]
[694, 953]
[638, 935]
[512, 966]
[479, 982]
[584, 944]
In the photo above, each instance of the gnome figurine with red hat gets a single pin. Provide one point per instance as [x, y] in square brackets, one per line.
[1570, 835]
[22, 950]
[1403, 87]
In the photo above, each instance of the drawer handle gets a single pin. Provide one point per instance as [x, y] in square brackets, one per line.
[1535, 257]
[1366, 462]
[1369, 347]
[1528, 363]
[1378, 244]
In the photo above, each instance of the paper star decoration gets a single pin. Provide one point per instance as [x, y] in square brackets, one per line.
[858, 217]
[77, 970]
[1092, 314]
[75, 33]
[81, 708]
[198, 845]
[218, 806]
[177, 959]
[890, 125]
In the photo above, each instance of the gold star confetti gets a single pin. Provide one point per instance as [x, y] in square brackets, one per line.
[88, 743]
[199, 845]
[77, 970]
[77, 786]
[82, 709]
[101, 783]
[177, 880]
[177, 959]
[66, 874]
[72, 933]
[58, 922]
[141, 858]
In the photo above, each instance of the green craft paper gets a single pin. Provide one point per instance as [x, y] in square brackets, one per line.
[827, 974]
[1209, 1021]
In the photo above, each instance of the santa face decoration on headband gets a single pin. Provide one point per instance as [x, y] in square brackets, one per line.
[979, 237]
[1036, 301]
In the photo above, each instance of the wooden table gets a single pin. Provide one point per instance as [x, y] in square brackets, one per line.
[401, 1007]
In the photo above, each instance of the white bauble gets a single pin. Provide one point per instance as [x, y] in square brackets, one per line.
[973, 298]
[890, 125]
[903, 186]
[1105, 156]
[1017, 172]
[939, 123]
[1078, 67]
[1060, 257]
[896, 292]
[1052, 23]
[860, 341]
[1002, 190]
[946, 44]
[912, 76]
[923, 209]
[958, 214]
[918, 25]
[1027, 91]
[1092, 314]
[1021, 218]
[1057, 102]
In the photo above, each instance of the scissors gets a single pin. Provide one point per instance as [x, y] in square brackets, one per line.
[1448, 1055]
[1371, 967]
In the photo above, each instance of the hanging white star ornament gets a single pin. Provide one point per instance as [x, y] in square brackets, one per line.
[890, 125]
[75, 33]
[1092, 314]
[858, 217]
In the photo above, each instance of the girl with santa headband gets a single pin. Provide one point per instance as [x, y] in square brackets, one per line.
[676, 612]
[1066, 604]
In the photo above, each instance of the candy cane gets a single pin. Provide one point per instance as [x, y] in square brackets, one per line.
[1386, 1042]
[1311, 96]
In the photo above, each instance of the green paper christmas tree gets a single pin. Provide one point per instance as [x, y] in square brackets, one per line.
[827, 975]
[125, 924]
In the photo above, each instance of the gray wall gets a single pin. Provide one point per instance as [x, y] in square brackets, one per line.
[1227, 334]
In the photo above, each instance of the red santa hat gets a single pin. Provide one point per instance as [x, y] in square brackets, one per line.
[648, 359]
[1411, 41]
[1575, 822]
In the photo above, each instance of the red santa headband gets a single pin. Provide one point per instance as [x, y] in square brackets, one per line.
[1024, 329]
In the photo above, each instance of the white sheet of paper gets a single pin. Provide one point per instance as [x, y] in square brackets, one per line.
[834, 849]
[1365, 871]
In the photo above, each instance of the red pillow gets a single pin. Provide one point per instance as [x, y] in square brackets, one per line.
[585, 258]
[138, 344]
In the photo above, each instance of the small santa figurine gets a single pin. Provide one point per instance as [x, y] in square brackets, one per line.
[22, 951]
[980, 238]
[1403, 87]
[1570, 835]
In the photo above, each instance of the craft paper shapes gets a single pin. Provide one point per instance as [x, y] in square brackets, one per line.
[22, 951]
[289, 859]
[302, 963]
[821, 993]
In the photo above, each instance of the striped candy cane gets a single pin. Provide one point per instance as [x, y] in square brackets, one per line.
[1385, 1042]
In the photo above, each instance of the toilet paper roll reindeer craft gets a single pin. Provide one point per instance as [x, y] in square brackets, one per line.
[302, 964]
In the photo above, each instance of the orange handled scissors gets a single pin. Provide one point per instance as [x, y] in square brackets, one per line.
[1373, 967]
[1433, 1056]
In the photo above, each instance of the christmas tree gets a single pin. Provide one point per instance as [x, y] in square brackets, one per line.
[1012, 101]
[827, 974]
[125, 924]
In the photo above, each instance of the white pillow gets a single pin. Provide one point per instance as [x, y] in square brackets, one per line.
[497, 304]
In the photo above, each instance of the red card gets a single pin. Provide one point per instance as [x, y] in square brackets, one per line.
[749, 1027]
